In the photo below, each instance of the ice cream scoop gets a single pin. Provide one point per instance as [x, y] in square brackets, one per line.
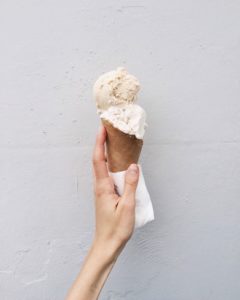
[115, 93]
[114, 88]
[130, 119]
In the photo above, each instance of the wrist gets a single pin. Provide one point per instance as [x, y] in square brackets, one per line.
[108, 252]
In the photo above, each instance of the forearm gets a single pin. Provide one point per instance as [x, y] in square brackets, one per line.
[96, 268]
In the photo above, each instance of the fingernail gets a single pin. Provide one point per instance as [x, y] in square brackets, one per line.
[133, 168]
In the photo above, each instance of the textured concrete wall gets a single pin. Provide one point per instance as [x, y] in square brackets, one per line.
[186, 55]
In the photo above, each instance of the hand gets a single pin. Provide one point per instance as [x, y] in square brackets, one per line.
[115, 215]
[115, 218]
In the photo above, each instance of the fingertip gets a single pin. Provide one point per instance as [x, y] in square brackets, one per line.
[99, 158]
[133, 168]
[132, 174]
[100, 128]
[131, 182]
[101, 135]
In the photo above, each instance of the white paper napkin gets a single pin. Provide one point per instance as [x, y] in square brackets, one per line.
[144, 210]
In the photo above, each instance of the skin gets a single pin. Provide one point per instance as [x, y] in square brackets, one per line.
[115, 218]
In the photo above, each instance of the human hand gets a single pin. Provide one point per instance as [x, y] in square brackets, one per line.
[115, 218]
[115, 215]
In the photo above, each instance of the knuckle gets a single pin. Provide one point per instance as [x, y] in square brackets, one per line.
[95, 160]
[99, 194]
[131, 180]
[99, 190]
[128, 204]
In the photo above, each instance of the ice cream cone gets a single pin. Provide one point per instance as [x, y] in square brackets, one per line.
[122, 149]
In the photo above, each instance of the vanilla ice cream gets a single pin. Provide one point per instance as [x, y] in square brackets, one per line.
[127, 118]
[115, 94]
[114, 88]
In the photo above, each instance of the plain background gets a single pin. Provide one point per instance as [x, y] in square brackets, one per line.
[186, 56]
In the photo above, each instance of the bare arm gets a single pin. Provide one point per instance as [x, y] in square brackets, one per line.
[114, 225]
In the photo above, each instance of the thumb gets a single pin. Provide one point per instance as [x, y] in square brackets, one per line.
[131, 181]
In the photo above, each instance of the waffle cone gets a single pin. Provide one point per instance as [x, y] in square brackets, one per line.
[122, 149]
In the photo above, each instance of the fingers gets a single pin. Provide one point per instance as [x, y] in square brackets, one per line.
[131, 182]
[99, 157]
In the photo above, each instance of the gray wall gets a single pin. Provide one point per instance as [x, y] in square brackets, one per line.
[186, 55]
